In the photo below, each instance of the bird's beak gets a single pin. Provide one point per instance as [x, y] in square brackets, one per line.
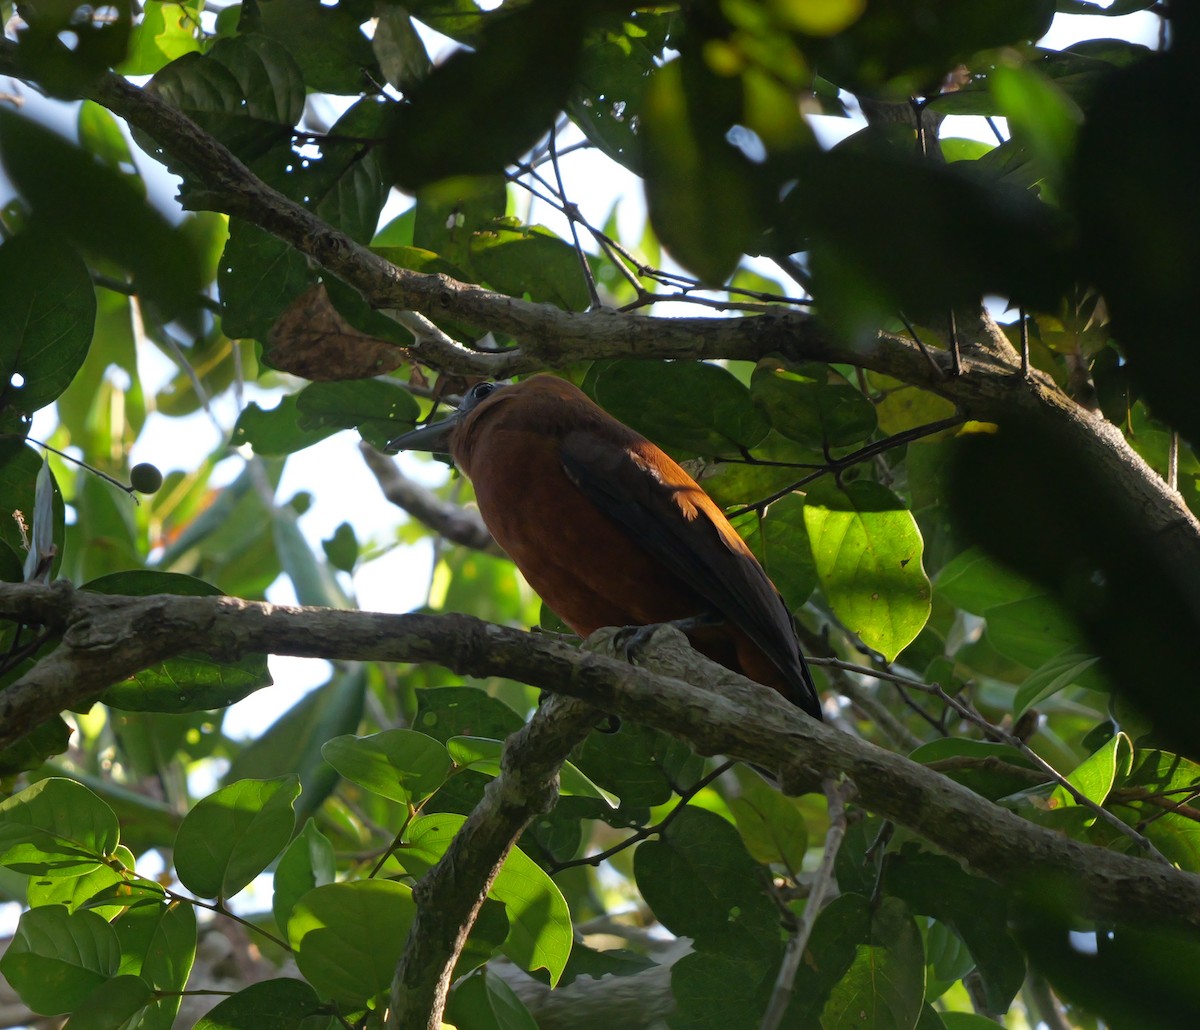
[435, 438]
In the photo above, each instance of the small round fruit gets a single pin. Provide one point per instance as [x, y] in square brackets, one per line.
[145, 478]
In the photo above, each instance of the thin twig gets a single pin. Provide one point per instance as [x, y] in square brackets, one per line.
[573, 218]
[837, 793]
[685, 796]
[836, 465]
[969, 713]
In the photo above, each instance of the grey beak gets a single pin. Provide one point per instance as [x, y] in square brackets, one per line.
[435, 438]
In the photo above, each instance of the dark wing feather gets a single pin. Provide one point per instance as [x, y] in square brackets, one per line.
[643, 490]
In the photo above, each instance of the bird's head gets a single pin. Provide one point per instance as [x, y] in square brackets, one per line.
[438, 437]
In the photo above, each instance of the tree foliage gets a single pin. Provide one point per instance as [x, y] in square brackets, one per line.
[986, 529]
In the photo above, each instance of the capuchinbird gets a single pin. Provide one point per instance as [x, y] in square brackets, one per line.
[610, 531]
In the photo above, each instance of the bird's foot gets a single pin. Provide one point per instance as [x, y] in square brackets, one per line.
[631, 639]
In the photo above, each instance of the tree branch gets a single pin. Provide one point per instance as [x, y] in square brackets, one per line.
[449, 896]
[106, 637]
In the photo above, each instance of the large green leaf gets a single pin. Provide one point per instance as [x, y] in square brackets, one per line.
[780, 542]
[452, 126]
[308, 863]
[348, 937]
[400, 764]
[247, 91]
[103, 211]
[280, 1004]
[702, 192]
[232, 835]
[118, 1002]
[885, 984]
[186, 683]
[700, 882]
[47, 313]
[868, 551]
[327, 43]
[57, 958]
[685, 405]
[56, 827]
[813, 404]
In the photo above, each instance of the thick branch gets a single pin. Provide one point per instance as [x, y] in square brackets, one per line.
[106, 638]
[449, 896]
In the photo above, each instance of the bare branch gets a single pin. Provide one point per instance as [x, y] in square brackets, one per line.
[837, 794]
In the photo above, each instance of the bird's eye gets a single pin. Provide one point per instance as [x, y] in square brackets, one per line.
[481, 390]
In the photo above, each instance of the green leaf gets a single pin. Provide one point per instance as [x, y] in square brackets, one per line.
[686, 405]
[445, 712]
[379, 410]
[1161, 776]
[452, 126]
[449, 213]
[247, 91]
[163, 33]
[47, 314]
[115, 1003]
[158, 944]
[483, 1001]
[540, 921]
[982, 774]
[868, 551]
[606, 101]
[308, 863]
[1057, 674]
[348, 937]
[885, 984]
[186, 683]
[277, 431]
[530, 261]
[715, 990]
[400, 764]
[103, 211]
[1095, 775]
[1040, 115]
[701, 883]
[56, 827]
[813, 404]
[77, 891]
[976, 909]
[780, 542]
[327, 43]
[1033, 631]
[639, 765]
[770, 824]
[232, 835]
[57, 958]
[270, 1005]
[701, 191]
[342, 548]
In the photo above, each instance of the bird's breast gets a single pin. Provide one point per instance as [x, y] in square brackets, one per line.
[586, 567]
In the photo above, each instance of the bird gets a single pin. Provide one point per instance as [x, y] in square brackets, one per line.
[610, 531]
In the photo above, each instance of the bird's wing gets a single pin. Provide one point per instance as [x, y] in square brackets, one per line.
[663, 508]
